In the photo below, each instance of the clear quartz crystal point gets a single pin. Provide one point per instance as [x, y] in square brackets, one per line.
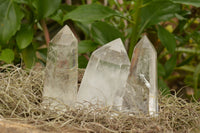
[105, 76]
[61, 68]
[141, 89]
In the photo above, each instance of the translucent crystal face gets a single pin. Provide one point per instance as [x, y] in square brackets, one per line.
[141, 93]
[61, 67]
[65, 37]
[105, 75]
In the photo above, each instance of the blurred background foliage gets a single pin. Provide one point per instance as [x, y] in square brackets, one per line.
[173, 26]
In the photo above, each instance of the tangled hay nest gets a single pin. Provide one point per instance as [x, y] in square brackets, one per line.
[20, 100]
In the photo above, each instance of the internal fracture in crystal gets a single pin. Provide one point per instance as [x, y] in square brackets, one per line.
[61, 68]
[105, 76]
[141, 89]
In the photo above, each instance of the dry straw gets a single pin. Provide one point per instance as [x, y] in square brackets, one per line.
[20, 100]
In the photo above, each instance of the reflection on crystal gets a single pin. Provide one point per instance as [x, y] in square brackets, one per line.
[61, 68]
[106, 75]
[141, 89]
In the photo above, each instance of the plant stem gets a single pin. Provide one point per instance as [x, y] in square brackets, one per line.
[89, 2]
[46, 32]
[105, 2]
[86, 56]
[135, 29]
[68, 2]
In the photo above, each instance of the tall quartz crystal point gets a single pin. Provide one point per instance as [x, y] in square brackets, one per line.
[61, 68]
[141, 88]
[105, 76]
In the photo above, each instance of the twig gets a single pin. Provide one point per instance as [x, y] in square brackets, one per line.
[68, 2]
[120, 1]
[102, 126]
[105, 2]
[89, 1]
[46, 32]
[86, 56]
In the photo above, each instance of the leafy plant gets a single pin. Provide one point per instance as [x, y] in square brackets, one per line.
[172, 25]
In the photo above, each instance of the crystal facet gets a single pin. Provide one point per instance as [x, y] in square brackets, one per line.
[105, 76]
[61, 68]
[141, 89]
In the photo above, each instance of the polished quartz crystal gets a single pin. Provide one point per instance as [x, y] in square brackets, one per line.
[61, 68]
[141, 89]
[105, 76]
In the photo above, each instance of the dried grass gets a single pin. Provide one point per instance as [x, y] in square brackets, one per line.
[20, 100]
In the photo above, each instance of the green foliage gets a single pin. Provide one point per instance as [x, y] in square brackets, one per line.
[163, 87]
[24, 36]
[167, 39]
[90, 13]
[45, 8]
[170, 65]
[10, 19]
[7, 55]
[195, 3]
[157, 11]
[103, 32]
[82, 62]
[28, 55]
[86, 46]
[196, 81]
[136, 25]
[172, 26]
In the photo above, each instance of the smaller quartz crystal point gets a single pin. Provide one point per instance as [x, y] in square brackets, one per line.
[141, 89]
[105, 76]
[61, 68]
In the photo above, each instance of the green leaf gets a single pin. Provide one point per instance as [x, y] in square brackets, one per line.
[196, 79]
[188, 50]
[7, 55]
[167, 39]
[84, 27]
[157, 11]
[22, 1]
[90, 13]
[10, 19]
[29, 57]
[161, 70]
[58, 16]
[196, 76]
[43, 54]
[24, 36]
[135, 26]
[82, 62]
[195, 3]
[163, 87]
[45, 8]
[187, 68]
[36, 45]
[170, 65]
[186, 61]
[86, 46]
[196, 37]
[103, 32]
[67, 8]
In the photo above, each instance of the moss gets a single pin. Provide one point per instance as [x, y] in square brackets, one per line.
[20, 100]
